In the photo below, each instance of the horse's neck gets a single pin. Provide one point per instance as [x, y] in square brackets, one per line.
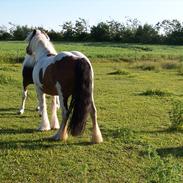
[43, 50]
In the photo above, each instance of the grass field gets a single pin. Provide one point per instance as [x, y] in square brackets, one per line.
[135, 87]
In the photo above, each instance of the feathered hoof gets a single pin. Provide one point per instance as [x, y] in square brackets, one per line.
[55, 127]
[58, 137]
[97, 139]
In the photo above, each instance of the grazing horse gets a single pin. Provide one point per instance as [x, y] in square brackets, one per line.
[27, 70]
[66, 74]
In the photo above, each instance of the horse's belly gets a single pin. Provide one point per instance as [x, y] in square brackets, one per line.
[50, 90]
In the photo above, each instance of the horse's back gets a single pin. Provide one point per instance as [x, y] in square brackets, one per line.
[60, 56]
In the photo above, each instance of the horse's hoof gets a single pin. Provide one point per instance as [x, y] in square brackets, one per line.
[43, 128]
[56, 137]
[97, 139]
[20, 112]
[55, 128]
[37, 108]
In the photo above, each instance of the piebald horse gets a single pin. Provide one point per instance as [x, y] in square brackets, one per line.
[27, 70]
[66, 74]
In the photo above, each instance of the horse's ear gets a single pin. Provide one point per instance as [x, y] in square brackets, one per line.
[34, 32]
[31, 35]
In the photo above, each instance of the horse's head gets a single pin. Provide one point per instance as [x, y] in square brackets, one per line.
[33, 39]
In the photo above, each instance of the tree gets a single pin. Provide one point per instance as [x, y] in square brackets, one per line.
[81, 30]
[101, 32]
[4, 34]
[115, 29]
[168, 26]
[68, 31]
[146, 34]
[55, 36]
[21, 32]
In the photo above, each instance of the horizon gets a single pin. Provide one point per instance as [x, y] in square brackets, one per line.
[51, 15]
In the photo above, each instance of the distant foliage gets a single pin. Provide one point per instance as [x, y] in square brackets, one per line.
[131, 31]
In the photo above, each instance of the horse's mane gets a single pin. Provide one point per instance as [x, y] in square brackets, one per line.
[41, 38]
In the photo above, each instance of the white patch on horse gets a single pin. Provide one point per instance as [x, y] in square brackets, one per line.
[29, 61]
[63, 54]
[54, 118]
[42, 64]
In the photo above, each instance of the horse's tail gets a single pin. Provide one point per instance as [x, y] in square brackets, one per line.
[82, 96]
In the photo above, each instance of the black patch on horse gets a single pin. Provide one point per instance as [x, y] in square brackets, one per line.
[27, 76]
[50, 54]
[33, 34]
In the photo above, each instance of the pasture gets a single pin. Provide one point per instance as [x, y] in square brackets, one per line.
[135, 87]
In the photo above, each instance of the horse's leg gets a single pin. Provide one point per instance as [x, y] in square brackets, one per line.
[24, 97]
[62, 133]
[96, 133]
[54, 118]
[57, 102]
[45, 124]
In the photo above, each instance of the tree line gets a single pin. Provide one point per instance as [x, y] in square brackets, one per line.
[131, 31]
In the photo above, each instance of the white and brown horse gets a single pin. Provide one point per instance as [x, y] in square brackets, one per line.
[27, 79]
[27, 70]
[66, 74]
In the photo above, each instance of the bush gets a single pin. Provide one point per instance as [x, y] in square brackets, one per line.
[170, 65]
[148, 66]
[119, 72]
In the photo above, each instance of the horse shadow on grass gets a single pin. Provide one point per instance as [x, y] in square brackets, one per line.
[127, 135]
[173, 151]
[12, 112]
[167, 151]
[8, 111]
[12, 131]
[24, 144]
[31, 144]
[42, 143]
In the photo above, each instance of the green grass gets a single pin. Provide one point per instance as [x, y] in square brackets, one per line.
[155, 92]
[138, 145]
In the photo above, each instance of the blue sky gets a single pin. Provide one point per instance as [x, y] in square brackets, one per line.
[52, 13]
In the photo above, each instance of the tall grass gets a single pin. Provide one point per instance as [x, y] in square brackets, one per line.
[100, 51]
